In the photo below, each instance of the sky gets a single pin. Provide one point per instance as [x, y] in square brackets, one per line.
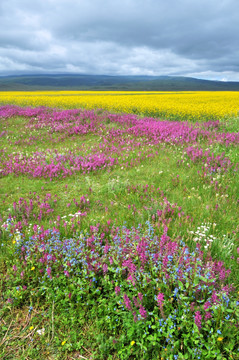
[196, 38]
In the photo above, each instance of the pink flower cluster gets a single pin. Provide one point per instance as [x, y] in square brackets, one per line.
[124, 140]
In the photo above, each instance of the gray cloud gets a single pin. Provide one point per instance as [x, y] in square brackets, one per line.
[154, 37]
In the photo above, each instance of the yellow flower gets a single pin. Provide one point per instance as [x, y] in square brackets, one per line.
[220, 338]
[132, 343]
[31, 327]
[33, 268]
[63, 342]
[14, 241]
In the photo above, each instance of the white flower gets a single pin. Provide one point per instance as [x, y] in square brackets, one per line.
[41, 331]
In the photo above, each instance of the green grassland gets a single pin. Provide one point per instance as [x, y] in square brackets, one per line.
[117, 197]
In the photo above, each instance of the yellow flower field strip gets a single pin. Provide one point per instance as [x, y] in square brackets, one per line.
[171, 105]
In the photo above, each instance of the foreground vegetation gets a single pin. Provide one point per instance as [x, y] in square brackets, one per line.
[119, 236]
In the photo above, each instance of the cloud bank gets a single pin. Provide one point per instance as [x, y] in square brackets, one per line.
[126, 37]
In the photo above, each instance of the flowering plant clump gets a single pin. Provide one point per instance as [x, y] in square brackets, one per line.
[154, 288]
[116, 147]
[35, 208]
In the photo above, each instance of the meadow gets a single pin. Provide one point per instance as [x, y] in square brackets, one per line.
[119, 230]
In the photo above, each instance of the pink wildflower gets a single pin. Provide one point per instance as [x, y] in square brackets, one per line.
[198, 319]
[105, 268]
[160, 299]
[140, 296]
[142, 312]
[127, 302]
[207, 305]
[192, 306]
[135, 316]
[117, 290]
[66, 273]
[208, 315]
[48, 270]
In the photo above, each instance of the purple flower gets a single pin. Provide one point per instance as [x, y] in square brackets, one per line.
[192, 306]
[135, 316]
[131, 279]
[66, 273]
[208, 315]
[160, 299]
[198, 319]
[222, 274]
[140, 296]
[117, 290]
[105, 268]
[142, 312]
[14, 268]
[127, 302]
[214, 298]
[207, 305]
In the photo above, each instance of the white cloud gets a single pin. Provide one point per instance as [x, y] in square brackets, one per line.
[153, 37]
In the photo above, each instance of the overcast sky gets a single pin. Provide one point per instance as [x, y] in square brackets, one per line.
[198, 38]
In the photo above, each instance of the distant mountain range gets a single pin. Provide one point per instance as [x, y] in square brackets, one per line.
[105, 82]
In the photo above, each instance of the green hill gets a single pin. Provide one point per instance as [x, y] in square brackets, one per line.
[105, 82]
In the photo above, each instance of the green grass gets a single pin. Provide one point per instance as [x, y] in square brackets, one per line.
[71, 332]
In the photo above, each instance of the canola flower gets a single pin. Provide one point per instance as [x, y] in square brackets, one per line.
[194, 106]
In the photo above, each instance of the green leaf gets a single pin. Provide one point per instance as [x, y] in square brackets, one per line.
[180, 284]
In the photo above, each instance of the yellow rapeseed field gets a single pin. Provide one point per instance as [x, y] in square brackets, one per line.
[171, 105]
